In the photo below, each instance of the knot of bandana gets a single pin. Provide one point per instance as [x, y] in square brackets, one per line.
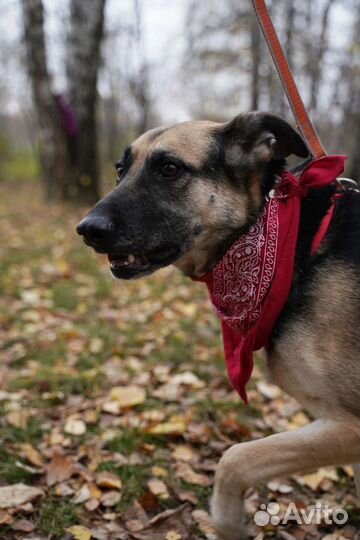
[249, 286]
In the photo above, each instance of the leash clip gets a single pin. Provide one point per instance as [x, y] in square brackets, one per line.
[348, 184]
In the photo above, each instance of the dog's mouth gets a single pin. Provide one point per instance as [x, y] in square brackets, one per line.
[132, 265]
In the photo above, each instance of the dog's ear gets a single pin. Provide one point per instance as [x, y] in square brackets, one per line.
[257, 138]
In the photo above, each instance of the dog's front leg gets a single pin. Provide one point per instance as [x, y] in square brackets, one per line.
[321, 443]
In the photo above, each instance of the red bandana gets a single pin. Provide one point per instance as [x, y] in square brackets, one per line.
[250, 285]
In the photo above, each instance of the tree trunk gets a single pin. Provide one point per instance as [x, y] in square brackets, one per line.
[52, 139]
[255, 62]
[353, 119]
[316, 61]
[68, 156]
[83, 61]
[141, 89]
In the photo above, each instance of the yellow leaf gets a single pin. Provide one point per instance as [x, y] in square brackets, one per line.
[168, 428]
[348, 470]
[298, 420]
[159, 471]
[314, 480]
[79, 532]
[128, 396]
[173, 535]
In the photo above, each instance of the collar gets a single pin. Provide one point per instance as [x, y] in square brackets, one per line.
[250, 285]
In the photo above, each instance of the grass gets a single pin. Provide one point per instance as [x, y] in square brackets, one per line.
[45, 379]
[131, 441]
[32, 433]
[64, 296]
[10, 471]
[133, 477]
[55, 515]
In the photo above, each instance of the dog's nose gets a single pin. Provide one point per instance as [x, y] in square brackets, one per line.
[96, 230]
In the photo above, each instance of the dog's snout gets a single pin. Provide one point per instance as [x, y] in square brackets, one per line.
[96, 230]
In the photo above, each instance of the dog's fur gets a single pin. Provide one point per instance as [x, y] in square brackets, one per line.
[190, 220]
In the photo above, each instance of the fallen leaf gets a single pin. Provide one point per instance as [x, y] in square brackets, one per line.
[111, 407]
[188, 496]
[267, 390]
[134, 525]
[187, 473]
[23, 525]
[82, 495]
[176, 427]
[63, 490]
[176, 521]
[74, 426]
[128, 396]
[108, 480]
[284, 489]
[158, 488]
[173, 535]
[78, 532]
[5, 518]
[187, 378]
[313, 480]
[18, 494]
[96, 345]
[110, 498]
[149, 501]
[92, 504]
[298, 420]
[18, 418]
[159, 471]
[183, 452]
[348, 470]
[32, 455]
[61, 468]
[136, 518]
[205, 524]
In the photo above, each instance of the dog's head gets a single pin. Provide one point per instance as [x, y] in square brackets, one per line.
[185, 192]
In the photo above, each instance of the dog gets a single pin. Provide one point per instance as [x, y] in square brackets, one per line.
[184, 194]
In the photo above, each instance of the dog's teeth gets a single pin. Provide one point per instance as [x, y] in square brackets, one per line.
[131, 259]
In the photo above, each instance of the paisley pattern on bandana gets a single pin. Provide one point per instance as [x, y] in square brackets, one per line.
[243, 277]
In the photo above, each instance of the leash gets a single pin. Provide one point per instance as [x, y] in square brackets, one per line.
[302, 118]
[304, 124]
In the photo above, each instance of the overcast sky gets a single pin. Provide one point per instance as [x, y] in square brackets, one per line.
[164, 42]
[163, 24]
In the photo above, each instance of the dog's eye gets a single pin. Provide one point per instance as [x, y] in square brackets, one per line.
[169, 170]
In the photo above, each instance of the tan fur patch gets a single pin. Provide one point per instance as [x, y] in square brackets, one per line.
[317, 360]
[178, 139]
[220, 210]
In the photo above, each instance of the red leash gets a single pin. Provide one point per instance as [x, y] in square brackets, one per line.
[297, 105]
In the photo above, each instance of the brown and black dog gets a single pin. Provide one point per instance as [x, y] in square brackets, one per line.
[185, 193]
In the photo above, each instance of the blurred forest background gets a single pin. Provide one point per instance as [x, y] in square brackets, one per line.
[79, 80]
[115, 406]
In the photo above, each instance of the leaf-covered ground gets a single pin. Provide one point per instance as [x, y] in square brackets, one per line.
[114, 402]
